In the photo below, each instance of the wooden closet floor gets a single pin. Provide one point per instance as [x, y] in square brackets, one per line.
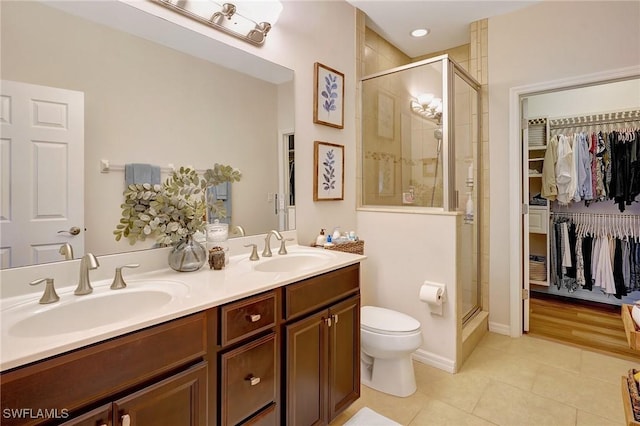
[597, 328]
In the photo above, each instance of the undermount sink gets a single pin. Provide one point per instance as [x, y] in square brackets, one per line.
[293, 262]
[102, 307]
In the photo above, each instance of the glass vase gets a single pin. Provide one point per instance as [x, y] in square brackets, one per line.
[188, 255]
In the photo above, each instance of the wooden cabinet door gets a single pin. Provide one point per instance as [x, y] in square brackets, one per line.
[306, 366]
[344, 355]
[179, 400]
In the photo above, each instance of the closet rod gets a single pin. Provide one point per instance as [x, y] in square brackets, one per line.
[595, 119]
[603, 215]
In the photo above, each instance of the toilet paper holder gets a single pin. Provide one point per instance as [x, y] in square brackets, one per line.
[434, 295]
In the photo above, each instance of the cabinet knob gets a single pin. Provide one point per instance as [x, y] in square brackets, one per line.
[254, 317]
[126, 420]
[253, 380]
[335, 318]
[328, 321]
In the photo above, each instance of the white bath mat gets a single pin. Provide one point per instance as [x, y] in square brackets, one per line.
[367, 417]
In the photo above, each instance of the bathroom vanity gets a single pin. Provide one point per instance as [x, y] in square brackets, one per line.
[283, 351]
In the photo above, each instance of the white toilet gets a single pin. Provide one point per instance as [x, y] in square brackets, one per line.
[387, 339]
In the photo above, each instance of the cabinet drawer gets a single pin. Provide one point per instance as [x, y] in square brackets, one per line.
[538, 220]
[317, 292]
[248, 379]
[247, 317]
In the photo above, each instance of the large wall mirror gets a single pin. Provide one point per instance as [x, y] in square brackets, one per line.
[143, 101]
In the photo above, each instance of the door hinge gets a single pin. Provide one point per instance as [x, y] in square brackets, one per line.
[525, 208]
[525, 293]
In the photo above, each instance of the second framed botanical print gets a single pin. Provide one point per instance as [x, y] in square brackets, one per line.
[328, 96]
[328, 178]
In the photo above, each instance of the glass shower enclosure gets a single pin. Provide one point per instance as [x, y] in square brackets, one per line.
[421, 153]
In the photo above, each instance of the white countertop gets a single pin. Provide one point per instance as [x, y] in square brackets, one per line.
[198, 291]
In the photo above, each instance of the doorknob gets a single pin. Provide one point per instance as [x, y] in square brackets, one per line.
[74, 230]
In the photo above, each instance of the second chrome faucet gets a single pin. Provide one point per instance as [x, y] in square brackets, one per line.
[267, 241]
[87, 263]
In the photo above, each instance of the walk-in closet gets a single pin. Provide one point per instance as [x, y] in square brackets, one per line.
[581, 190]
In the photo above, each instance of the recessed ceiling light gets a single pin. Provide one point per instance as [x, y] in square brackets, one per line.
[420, 32]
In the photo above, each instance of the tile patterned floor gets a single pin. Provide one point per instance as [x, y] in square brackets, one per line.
[507, 381]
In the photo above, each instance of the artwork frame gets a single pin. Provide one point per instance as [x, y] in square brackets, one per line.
[328, 96]
[328, 177]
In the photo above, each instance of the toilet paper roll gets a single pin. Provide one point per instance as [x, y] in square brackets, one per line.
[431, 294]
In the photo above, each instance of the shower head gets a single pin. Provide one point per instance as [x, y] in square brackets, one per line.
[437, 133]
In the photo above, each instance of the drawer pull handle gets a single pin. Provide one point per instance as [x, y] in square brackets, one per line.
[126, 420]
[328, 321]
[253, 380]
[254, 317]
[335, 318]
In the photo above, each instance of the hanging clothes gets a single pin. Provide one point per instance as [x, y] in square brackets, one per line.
[584, 190]
[596, 166]
[549, 189]
[589, 254]
[565, 171]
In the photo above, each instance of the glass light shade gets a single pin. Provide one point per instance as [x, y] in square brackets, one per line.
[424, 99]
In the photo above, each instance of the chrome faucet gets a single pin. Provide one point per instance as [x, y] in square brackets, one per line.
[50, 295]
[267, 241]
[87, 263]
[118, 281]
[67, 251]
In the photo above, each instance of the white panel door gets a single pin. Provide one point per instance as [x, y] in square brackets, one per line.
[42, 160]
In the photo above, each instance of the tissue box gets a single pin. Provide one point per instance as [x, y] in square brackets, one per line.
[630, 327]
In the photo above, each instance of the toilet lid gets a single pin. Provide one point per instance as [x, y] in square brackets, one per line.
[386, 321]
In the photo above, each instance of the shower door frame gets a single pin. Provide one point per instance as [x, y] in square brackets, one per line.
[450, 202]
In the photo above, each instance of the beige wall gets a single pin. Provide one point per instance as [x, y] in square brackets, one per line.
[539, 44]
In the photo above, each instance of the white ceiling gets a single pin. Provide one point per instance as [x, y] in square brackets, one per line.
[448, 20]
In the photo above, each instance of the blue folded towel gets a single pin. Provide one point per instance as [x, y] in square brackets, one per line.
[141, 173]
[221, 192]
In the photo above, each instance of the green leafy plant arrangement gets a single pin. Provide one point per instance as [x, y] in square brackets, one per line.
[173, 210]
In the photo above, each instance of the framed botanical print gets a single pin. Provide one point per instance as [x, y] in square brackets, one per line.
[328, 96]
[328, 179]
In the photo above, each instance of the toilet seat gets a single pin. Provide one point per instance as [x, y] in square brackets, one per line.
[385, 321]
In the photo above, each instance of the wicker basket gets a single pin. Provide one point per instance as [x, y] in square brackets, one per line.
[537, 268]
[634, 393]
[355, 247]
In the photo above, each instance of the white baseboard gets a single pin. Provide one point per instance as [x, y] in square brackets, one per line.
[434, 360]
[500, 328]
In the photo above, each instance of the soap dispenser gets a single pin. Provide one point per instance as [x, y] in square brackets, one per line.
[321, 239]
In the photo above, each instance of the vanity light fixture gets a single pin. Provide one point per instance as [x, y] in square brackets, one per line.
[428, 106]
[247, 20]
